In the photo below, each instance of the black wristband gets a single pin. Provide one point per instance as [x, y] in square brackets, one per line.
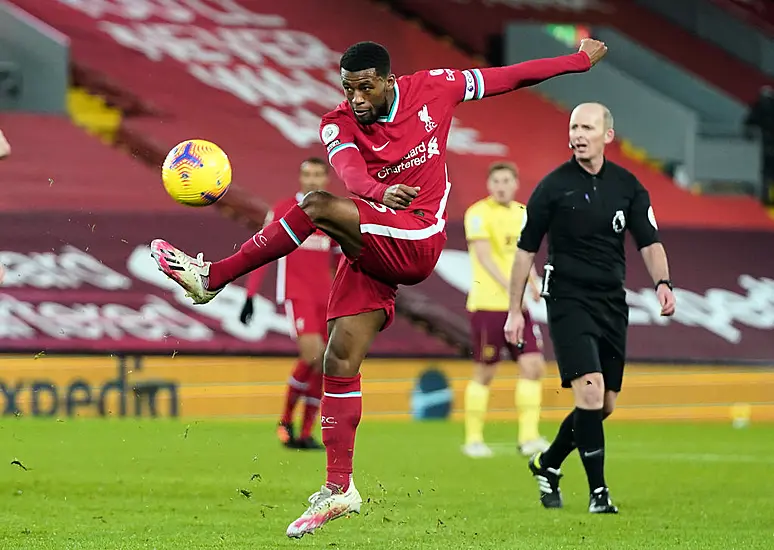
[667, 282]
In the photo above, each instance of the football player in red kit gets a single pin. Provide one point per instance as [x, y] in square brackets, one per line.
[387, 143]
[304, 281]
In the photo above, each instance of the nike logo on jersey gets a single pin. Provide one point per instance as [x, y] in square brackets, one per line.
[377, 149]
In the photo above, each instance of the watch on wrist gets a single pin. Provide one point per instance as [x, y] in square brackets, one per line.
[667, 282]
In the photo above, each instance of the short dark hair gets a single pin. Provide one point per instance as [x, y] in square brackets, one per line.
[316, 160]
[366, 55]
[504, 165]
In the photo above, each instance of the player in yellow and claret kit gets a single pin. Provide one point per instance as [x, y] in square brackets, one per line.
[492, 228]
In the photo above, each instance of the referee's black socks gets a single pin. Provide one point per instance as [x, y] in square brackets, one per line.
[562, 446]
[590, 438]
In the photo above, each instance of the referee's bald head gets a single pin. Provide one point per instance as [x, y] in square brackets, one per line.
[591, 128]
[597, 110]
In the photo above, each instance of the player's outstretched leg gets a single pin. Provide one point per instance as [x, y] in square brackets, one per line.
[341, 408]
[203, 280]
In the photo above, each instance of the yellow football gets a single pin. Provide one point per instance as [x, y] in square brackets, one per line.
[196, 172]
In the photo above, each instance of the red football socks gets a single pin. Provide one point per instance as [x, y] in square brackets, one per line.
[278, 239]
[341, 409]
[312, 399]
[298, 383]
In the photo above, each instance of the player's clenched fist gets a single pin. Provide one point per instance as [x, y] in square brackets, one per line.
[399, 196]
[595, 49]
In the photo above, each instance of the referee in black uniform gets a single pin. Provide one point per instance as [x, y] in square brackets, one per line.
[585, 207]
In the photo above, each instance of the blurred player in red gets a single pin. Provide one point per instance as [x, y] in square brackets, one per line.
[387, 143]
[304, 281]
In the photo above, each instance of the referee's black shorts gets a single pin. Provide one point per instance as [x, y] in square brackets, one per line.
[588, 331]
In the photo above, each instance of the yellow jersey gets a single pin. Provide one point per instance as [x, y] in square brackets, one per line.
[501, 226]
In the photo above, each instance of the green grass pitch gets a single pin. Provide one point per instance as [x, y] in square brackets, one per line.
[164, 484]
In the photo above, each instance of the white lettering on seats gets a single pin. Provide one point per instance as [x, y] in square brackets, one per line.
[717, 310]
[288, 75]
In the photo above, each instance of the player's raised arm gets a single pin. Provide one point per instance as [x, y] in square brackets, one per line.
[493, 81]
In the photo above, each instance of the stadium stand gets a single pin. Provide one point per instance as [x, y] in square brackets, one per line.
[153, 66]
[134, 418]
[473, 24]
[108, 206]
[84, 176]
[649, 50]
[757, 13]
[252, 98]
[742, 28]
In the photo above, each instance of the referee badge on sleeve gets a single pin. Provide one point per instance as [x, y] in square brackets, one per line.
[652, 218]
[619, 221]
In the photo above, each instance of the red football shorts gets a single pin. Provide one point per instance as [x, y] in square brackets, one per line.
[400, 247]
[307, 317]
[488, 335]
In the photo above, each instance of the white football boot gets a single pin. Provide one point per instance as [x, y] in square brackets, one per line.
[325, 506]
[186, 271]
[539, 445]
[479, 449]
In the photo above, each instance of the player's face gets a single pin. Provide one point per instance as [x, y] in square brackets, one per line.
[588, 136]
[313, 177]
[367, 94]
[502, 186]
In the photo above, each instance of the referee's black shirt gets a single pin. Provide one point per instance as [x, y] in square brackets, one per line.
[585, 217]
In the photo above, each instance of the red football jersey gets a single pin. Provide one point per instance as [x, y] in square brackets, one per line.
[409, 146]
[306, 273]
